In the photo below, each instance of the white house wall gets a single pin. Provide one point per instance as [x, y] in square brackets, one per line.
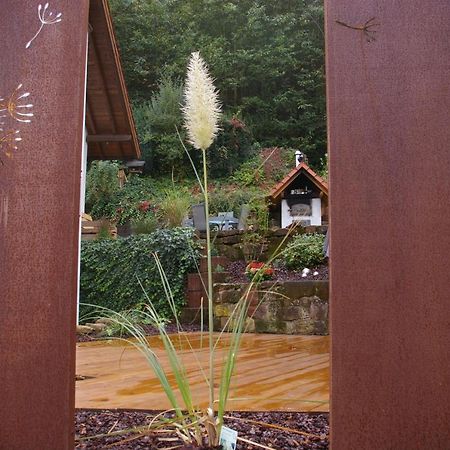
[315, 218]
[83, 173]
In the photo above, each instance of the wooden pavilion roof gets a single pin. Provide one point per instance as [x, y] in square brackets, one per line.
[109, 120]
[277, 192]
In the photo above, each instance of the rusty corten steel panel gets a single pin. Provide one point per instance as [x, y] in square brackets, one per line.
[389, 144]
[39, 213]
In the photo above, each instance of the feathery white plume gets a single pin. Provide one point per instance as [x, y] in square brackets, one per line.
[202, 108]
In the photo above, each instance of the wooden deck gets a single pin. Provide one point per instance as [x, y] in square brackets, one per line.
[273, 373]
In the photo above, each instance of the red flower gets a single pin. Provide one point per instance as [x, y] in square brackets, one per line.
[144, 206]
[263, 271]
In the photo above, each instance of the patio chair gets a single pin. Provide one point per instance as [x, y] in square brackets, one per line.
[199, 217]
[243, 216]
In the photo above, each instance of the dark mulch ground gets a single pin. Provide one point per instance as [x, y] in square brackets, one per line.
[237, 273]
[301, 431]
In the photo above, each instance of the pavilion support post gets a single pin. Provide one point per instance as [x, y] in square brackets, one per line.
[42, 88]
[388, 78]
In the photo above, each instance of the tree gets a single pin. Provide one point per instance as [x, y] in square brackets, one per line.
[267, 58]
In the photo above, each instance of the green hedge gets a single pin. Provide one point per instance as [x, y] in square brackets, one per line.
[110, 270]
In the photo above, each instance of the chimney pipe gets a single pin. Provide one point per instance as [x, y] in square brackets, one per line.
[298, 158]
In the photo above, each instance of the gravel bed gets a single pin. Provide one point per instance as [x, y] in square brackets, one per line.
[277, 430]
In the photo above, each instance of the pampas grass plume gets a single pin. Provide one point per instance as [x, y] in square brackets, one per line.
[201, 104]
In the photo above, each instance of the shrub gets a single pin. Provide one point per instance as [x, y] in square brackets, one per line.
[128, 203]
[250, 173]
[110, 270]
[156, 122]
[305, 250]
[101, 182]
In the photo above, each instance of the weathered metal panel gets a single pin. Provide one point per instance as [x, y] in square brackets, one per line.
[39, 218]
[388, 82]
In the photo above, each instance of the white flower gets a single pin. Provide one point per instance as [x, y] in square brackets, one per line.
[202, 108]
[316, 273]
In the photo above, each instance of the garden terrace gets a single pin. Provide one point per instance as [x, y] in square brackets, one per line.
[117, 376]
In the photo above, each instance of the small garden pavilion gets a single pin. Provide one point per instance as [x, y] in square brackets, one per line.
[301, 196]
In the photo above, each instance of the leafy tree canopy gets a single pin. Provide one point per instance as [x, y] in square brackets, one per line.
[266, 56]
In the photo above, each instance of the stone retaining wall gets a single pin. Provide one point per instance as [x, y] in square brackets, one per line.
[239, 245]
[290, 307]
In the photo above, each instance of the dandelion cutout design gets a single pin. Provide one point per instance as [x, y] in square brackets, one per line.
[46, 17]
[8, 142]
[13, 108]
[16, 107]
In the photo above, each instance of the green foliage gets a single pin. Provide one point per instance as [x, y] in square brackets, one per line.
[323, 171]
[174, 207]
[163, 110]
[305, 250]
[129, 203]
[258, 218]
[251, 173]
[233, 146]
[157, 121]
[230, 198]
[104, 231]
[268, 58]
[147, 225]
[110, 270]
[253, 243]
[101, 182]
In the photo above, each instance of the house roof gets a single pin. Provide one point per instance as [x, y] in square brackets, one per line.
[302, 168]
[109, 120]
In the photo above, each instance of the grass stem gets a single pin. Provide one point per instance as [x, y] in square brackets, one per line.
[210, 285]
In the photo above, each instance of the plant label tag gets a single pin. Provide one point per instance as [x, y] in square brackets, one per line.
[228, 438]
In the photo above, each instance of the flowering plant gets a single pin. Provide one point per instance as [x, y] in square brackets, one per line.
[144, 206]
[258, 271]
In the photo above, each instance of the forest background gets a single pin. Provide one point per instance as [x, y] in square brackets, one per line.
[267, 59]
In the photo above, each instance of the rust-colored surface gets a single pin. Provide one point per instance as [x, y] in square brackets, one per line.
[273, 373]
[389, 136]
[39, 219]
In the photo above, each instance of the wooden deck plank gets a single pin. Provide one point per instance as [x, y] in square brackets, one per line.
[273, 372]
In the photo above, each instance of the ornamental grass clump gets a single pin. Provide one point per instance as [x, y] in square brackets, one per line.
[190, 423]
[202, 113]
